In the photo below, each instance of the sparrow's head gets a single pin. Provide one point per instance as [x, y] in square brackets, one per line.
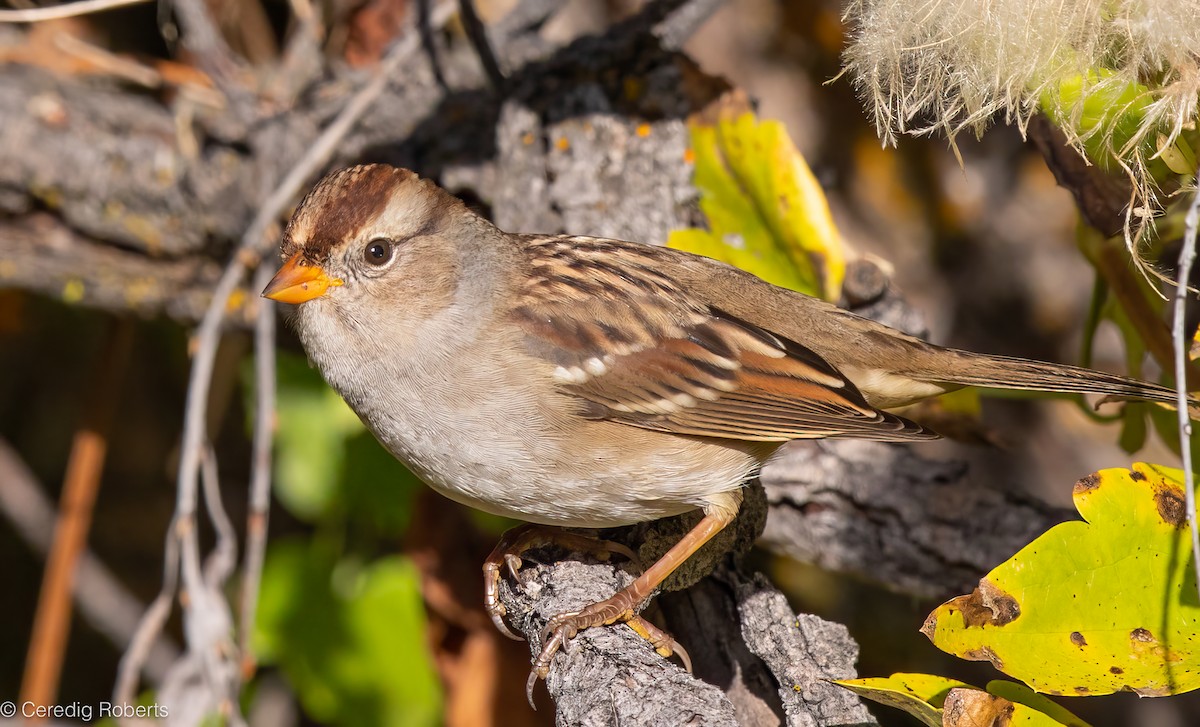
[369, 235]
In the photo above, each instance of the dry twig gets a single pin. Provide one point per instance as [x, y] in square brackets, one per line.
[202, 37]
[1187, 255]
[149, 628]
[66, 10]
[260, 470]
[182, 538]
[477, 34]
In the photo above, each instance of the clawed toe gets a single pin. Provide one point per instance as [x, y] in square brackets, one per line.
[623, 605]
[560, 631]
[663, 643]
[491, 598]
[562, 628]
[507, 555]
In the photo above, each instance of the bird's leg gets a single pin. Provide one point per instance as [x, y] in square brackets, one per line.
[516, 541]
[623, 606]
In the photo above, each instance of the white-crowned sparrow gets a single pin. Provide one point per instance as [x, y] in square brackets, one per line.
[577, 381]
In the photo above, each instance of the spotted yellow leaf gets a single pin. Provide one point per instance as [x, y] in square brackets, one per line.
[1096, 606]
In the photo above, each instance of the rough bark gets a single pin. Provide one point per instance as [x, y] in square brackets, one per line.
[755, 661]
[882, 511]
[43, 253]
[175, 185]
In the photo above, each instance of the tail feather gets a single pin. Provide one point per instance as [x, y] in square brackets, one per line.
[1005, 372]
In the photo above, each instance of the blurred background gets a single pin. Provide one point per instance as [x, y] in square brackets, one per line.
[370, 604]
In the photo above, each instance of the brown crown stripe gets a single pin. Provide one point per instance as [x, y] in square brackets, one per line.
[339, 207]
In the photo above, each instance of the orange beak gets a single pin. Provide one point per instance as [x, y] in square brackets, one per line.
[296, 282]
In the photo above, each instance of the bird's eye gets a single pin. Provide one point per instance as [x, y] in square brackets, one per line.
[378, 252]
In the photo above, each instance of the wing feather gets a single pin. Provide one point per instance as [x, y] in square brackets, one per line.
[643, 352]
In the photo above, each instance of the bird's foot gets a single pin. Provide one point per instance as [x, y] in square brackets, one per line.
[514, 543]
[621, 607]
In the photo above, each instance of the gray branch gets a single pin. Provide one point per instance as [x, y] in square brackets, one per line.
[883, 512]
[43, 254]
[172, 188]
[876, 510]
[756, 662]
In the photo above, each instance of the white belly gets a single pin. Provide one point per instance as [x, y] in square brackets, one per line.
[505, 451]
[515, 467]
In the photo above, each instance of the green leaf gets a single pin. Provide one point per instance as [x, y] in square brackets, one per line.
[921, 695]
[313, 426]
[377, 489]
[349, 637]
[1092, 607]
[1106, 113]
[1179, 156]
[1134, 429]
[766, 212]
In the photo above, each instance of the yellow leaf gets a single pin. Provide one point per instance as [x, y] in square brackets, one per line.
[1096, 606]
[766, 211]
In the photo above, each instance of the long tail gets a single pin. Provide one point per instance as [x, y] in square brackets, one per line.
[1005, 372]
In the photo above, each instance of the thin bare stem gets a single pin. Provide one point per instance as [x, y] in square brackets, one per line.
[108, 62]
[205, 342]
[203, 39]
[303, 10]
[1187, 255]
[206, 616]
[682, 22]
[260, 473]
[149, 629]
[220, 563]
[477, 34]
[66, 10]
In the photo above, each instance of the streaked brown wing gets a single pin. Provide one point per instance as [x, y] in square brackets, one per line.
[647, 354]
